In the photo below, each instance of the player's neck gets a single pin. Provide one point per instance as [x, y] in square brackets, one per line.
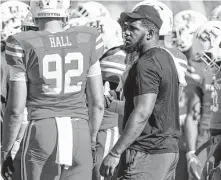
[52, 26]
[148, 45]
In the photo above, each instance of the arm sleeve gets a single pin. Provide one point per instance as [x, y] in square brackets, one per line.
[94, 70]
[15, 54]
[17, 74]
[148, 79]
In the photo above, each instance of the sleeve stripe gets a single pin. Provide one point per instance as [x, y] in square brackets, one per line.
[14, 46]
[94, 70]
[113, 65]
[98, 38]
[16, 54]
[192, 75]
[112, 70]
[181, 62]
[99, 45]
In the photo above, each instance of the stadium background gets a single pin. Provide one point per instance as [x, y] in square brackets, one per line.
[115, 7]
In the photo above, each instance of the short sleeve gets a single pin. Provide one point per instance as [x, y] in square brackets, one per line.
[94, 70]
[97, 50]
[148, 78]
[14, 53]
[17, 74]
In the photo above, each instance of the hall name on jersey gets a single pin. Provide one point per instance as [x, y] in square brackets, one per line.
[59, 41]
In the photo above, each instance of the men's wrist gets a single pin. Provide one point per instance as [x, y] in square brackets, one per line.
[114, 154]
[4, 155]
[189, 154]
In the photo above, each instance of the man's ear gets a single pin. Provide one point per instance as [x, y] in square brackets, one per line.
[150, 34]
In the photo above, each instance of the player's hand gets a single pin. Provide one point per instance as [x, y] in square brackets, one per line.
[108, 165]
[193, 165]
[215, 173]
[210, 171]
[93, 150]
[7, 168]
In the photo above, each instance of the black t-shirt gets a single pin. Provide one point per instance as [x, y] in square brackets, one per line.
[155, 72]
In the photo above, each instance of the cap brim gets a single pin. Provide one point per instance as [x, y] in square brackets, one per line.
[126, 15]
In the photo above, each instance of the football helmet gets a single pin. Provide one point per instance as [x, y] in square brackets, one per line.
[110, 30]
[81, 21]
[185, 25]
[207, 45]
[165, 14]
[90, 9]
[113, 66]
[12, 15]
[28, 23]
[50, 8]
[215, 14]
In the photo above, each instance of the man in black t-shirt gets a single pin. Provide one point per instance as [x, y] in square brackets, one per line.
[148, 147]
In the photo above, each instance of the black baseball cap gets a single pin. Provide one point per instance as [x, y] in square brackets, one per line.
[144, 12]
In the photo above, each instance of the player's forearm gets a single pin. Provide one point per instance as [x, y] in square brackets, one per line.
[135, 125]
[96, 113]
[190, 132]
[11, 125]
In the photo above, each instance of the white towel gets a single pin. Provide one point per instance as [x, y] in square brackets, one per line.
[65, 141]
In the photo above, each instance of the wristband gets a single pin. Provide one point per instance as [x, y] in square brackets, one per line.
[114, 154]
[189, 154]
[4, 155]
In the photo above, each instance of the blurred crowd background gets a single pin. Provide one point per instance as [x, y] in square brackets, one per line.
[115, 7]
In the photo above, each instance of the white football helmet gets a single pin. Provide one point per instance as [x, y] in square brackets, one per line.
[12, 16]
[207, 45]
[29, 24]
[90, 9]
[110, 30]
[50, 8]
[215, 14]
[81, 21]
[185, 25]
[165, 14]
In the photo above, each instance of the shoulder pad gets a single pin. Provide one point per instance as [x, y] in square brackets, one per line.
[23, 38]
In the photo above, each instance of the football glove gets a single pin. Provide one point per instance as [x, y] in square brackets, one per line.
[7, 168]
[93, 150]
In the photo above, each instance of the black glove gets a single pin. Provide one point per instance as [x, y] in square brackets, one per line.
[94, 156]
[7, 168]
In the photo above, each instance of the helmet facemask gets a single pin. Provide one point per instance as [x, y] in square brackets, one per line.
[210, 38]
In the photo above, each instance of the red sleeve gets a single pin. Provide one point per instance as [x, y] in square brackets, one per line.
[14, 53]
[97, 50]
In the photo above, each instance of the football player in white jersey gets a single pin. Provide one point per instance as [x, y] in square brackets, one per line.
[54, 73]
